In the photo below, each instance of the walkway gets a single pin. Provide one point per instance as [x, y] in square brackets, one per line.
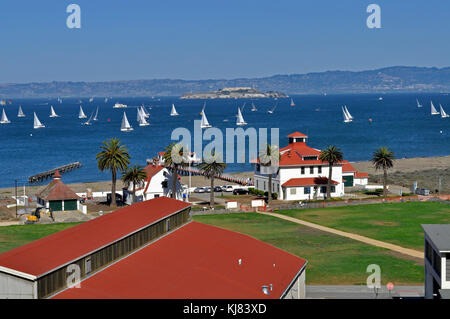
[366, 240]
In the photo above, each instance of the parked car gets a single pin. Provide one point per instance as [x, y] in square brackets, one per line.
[208, 189]
[227, 188]
[240, 191]
[199, 190]
[218, 189]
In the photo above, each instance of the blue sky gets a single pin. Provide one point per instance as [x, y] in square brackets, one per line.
[199, 39]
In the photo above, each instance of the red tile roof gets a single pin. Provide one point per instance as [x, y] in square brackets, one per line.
[151, 170]
[57, 190]
[297, 134]
[361, 175]
[45, 254]
[183, 265]
[347, 167]
[308, 181]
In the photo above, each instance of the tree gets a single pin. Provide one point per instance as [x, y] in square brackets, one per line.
[114, 157]
[332, 155]
[135, 175]
[270, 158]
[174, 157]
[212, 167]
[383, 158]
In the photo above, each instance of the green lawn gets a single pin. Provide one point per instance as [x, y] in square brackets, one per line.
[397, 223]
[332, 260]
[15, 236]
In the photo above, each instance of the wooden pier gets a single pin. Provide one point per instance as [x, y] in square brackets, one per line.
[184, 171]
[45, 175]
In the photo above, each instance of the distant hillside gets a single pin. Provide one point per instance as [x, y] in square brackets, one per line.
[392, 79]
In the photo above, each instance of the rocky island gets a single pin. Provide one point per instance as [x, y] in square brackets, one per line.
[234, 93]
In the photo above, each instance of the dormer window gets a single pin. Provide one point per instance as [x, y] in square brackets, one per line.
[310, 158]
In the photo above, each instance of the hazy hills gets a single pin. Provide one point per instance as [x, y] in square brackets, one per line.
[385, 80]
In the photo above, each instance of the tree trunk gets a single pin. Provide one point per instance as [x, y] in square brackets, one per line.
[134, 193]
[269, 190]
[174, 182]
[211, 195]
[385, 182]
[113, 189]
[330, 175]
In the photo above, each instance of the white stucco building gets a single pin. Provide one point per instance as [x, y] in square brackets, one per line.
[301, 175]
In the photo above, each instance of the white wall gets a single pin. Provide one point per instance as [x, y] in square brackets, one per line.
[298, 289]
[12, 287]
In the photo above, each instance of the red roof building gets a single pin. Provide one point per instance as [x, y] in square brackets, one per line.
[150, 250]
[58, 196]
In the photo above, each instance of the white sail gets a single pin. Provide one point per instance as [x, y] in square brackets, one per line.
[81, 115]
[418, 103]
[240, 118]
[433, 109]
[173, 112]
[4, 119]
[106, 100]
[125, 127]
[141, 118]
[347, 119]
[52, 112]
[91, 99]
[144, 112]
[20, 113]
[96, 115]
[348, 113]
[254, 109]
[37, 124]
[204, 123]
[89, 122]
[443, 114]
[292, 102]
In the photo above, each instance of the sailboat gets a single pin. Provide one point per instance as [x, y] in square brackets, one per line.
[443, 114]
[204, 123]
[20, 113]
[418, 103]
[254, 109]
[4, 119]
[88, 122]
[347, 118]
[173, 112]
[348, 113]
[125, 127]
[292, 102]
[240, 119]
[91, 99]
[96, 115]
[37, 124]
[141, 118]
[81, 115]
[433, 109]
[52, 112]
[272, 110]
[144, 112]
[203, 109]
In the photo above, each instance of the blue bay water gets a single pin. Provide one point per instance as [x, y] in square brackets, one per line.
[396, 122]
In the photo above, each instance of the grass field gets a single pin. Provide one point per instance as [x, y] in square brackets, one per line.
[397, 223]
[15, 236]
[332, 260]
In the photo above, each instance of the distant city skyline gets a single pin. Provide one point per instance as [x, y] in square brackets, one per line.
[202, 39]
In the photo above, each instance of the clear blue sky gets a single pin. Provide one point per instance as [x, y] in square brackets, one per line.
[200, 39]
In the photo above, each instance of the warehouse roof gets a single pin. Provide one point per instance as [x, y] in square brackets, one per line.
[439, 235]
[53, 251]
[196, 261]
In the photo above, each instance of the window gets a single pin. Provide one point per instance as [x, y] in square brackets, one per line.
[311, 170]
[293, 191]
[88, 266]
[303, 170]
[333, 189]
[323, 189]
[310, 158]
[307, 190]
[156, 196]
[319, 170]
[264, 185]
[168, 224]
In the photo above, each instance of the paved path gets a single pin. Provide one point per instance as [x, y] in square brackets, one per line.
[367, 240]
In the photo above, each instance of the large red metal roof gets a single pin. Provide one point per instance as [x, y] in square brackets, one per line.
[197, 261]
[50, 252]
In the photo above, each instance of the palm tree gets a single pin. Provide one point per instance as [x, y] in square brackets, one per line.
[135, 175]
[332, 155]
[383, 158]
[175, 156]
[270, 158]
[113, 157]
[212, 167]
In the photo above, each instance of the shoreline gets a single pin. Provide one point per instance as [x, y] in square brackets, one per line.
[405, 167]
